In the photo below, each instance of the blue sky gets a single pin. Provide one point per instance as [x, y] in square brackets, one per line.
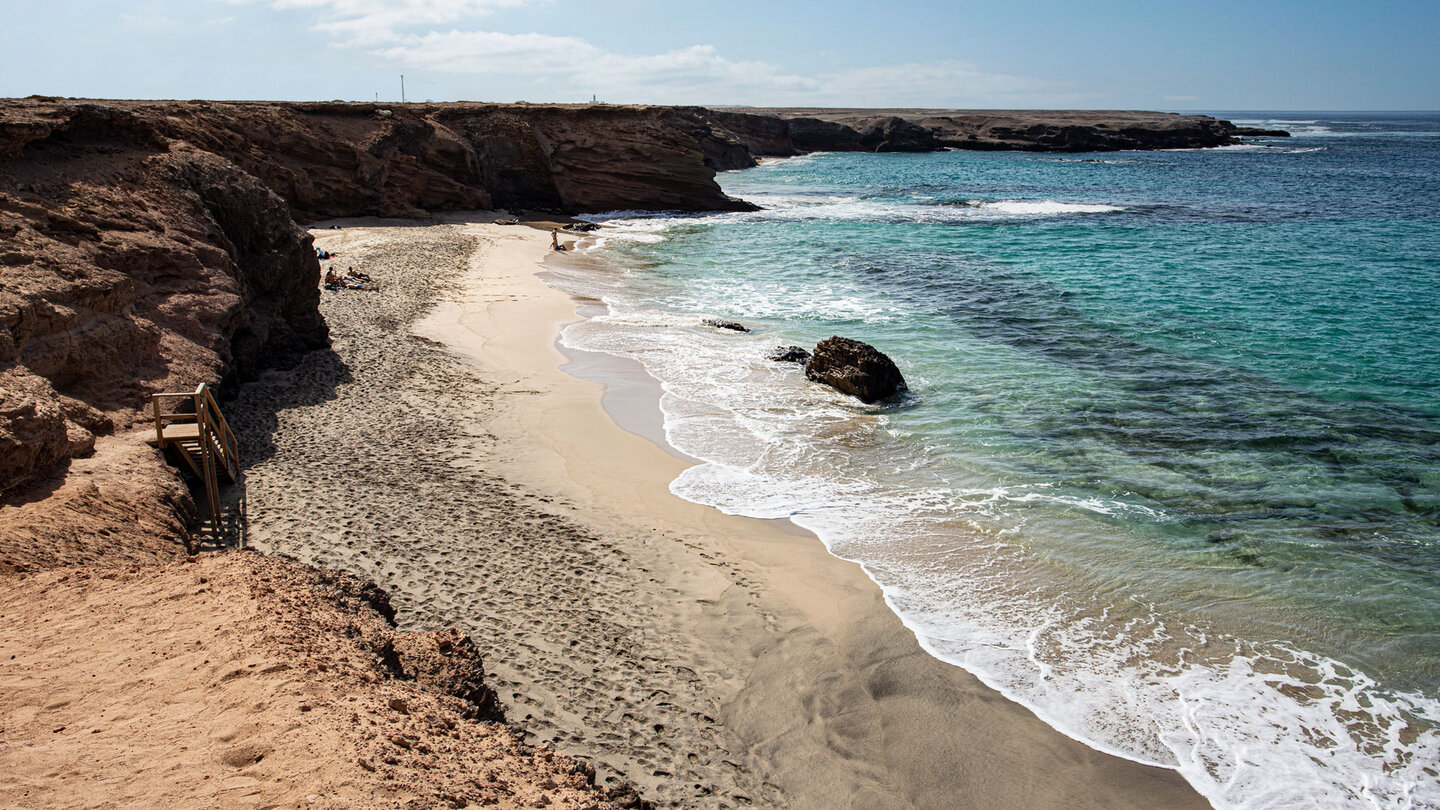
[1109, 54]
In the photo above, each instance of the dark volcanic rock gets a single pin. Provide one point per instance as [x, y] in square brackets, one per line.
[768, 135]
[789, 354]
[854, 368]
[779, 136]
[819, 135]
[345, 159]
[724, 150]
[922, 130]
[895, 134]
[1257, 132]
[733, 326]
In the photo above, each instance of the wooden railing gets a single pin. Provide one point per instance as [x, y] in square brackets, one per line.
[204, 438]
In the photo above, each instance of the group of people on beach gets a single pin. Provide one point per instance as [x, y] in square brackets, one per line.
[350, 281]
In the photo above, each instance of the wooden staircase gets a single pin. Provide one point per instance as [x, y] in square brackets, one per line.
[202, 438]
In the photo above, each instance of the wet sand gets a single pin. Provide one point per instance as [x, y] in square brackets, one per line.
[714, 661]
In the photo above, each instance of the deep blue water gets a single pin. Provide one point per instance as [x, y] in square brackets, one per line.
[1169, 469]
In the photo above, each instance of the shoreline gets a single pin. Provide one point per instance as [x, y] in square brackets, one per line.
[821, 614]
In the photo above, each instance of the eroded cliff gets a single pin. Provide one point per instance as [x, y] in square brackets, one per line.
[151, 246]
[789, 131]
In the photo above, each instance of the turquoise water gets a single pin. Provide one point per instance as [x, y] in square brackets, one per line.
[1169, 469]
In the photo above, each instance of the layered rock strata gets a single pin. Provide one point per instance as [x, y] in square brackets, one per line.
[152, 246]
[790, 131]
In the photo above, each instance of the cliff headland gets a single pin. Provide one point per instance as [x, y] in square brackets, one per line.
[784, 131]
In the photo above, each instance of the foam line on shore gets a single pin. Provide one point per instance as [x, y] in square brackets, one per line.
[712, 660]
[806, 592]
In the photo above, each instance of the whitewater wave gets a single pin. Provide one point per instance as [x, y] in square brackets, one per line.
[649, 227]
[1045, 207]
[1250, 725]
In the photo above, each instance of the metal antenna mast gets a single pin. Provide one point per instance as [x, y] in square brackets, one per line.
[402, 88]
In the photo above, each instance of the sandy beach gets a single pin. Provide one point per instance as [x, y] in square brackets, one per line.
[442, 450]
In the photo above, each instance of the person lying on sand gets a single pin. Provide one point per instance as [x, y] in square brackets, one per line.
[356, 281]
[350, 281]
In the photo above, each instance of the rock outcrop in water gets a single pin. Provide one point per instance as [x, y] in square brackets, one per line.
[854, 368]
[730, 326]
[789, 354]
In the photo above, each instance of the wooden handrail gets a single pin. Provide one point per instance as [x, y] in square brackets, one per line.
[217, 442]
[215, 421]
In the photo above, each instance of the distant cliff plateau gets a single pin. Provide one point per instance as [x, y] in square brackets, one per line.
[790, 131]
[150, 246]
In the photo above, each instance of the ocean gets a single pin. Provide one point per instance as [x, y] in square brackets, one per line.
[1168, 470]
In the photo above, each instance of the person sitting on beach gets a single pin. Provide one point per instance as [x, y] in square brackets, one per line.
[332, 281]
[555, 240]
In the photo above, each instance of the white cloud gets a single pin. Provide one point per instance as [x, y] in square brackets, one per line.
[947, 83]
[371, 22]
[404, 34]
[699, 74]
[677, 76]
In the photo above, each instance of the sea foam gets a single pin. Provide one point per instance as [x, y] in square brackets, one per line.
[1251, 722]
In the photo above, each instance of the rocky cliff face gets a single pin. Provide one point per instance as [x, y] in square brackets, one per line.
[130, 264]
[790, 131]
[152, 246]
[779, 135]
[347, 159]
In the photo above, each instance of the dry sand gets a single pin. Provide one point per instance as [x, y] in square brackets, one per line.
[714, 661]
[246, 681]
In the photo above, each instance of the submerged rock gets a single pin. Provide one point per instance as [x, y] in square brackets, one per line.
[854, 368]
[789, 354]
[733, 326]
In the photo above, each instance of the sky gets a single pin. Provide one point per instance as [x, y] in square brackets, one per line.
[1045, 54]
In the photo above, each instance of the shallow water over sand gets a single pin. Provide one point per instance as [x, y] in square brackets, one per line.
[1167, 473]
